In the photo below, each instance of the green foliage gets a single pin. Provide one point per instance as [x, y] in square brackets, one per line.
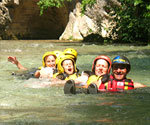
[86, 3]
[44, 4]
[133, 21]
[132, 18]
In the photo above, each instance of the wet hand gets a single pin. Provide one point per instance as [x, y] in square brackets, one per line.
[13, 59]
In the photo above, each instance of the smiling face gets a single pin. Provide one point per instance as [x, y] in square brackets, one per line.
[68, 67]
[101, 67]
[119, 71]
[50, 61]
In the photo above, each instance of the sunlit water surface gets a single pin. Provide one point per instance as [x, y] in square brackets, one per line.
[21, 105]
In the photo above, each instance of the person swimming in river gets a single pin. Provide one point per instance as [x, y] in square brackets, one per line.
[101, 66]
[118, 81]
[48, 68]
[51, 60]
[66, 69]
[102, 81]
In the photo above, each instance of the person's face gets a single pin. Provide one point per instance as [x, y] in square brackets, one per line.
[101, 67]
[119, 71]
[68, 67]
[50, 61]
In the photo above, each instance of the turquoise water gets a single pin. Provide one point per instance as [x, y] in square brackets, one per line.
[22, 105]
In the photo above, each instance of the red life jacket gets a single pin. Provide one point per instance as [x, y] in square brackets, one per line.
[114, 85]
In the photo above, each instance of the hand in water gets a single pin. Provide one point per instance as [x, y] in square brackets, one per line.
[139, 85]
[12, 59]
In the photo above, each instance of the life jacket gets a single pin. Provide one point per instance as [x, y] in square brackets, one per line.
[113, 85]
[93, 78]
[64, 76]
[73, 76]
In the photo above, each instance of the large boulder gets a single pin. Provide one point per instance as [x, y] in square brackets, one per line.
[79, 26]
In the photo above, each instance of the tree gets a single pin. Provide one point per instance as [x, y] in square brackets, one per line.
[132, 21]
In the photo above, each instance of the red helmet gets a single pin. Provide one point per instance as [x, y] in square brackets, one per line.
[102, 57]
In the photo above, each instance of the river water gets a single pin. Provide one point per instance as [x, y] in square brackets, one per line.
[20, 105]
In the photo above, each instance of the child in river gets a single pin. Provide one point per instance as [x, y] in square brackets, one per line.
[66, 69]
[49, 65]
[46, 71]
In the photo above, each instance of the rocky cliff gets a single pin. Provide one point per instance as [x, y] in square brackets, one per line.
[20, 19]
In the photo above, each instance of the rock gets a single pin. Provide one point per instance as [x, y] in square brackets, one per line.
[10, 2]
[96, 20]
[20, 19]
[79, 25]
[99, 14]
[4, 17]
[71, 32]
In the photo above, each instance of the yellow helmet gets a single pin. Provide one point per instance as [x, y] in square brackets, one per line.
[57, 52]
[47, 54]
[60, 61]
[71, 51]
[59, 57]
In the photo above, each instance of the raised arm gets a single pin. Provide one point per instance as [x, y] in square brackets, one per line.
[14, 60]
